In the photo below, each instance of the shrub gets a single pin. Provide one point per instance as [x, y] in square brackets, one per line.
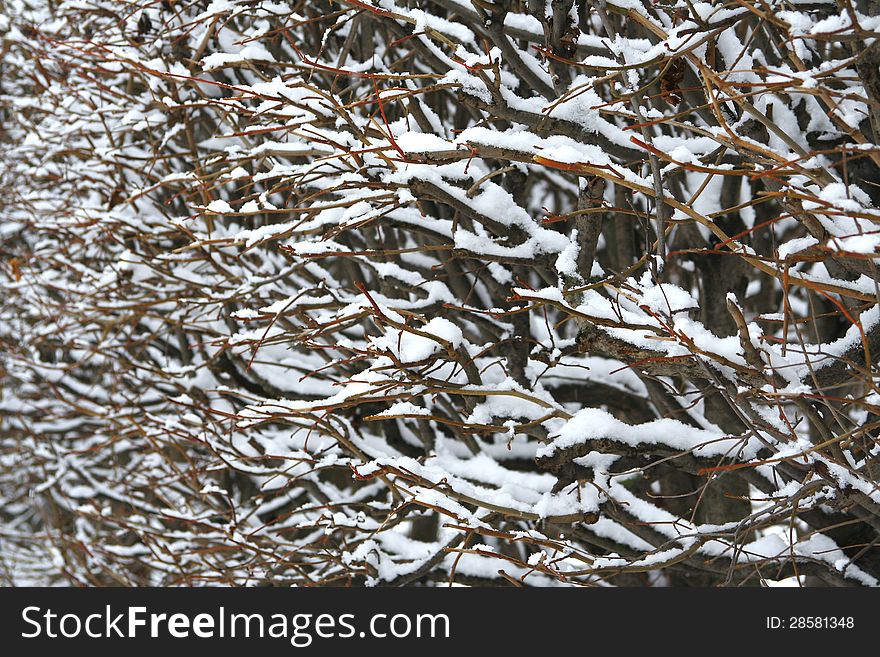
[396, 292]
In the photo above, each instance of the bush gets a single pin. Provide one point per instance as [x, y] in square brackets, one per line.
[394, 292]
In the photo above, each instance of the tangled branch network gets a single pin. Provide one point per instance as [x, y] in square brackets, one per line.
[432, 292]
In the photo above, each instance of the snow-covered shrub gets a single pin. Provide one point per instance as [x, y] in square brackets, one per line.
[402, 292]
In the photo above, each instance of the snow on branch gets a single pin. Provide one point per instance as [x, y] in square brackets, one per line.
[389, 292]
